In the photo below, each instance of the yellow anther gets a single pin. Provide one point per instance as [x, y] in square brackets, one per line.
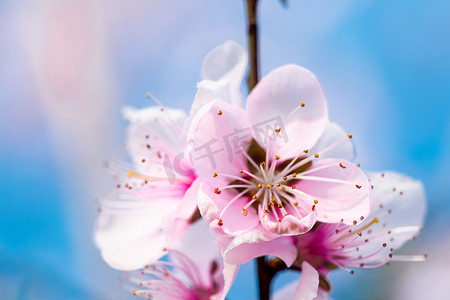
[282, 188]
[305, 151]
[244, 212]
[295, 203]
[220, 113]
[316, 155]
[293, 187]
[241, 171]
[277, 157]
[259, 185]
[277, 130]
[302, 104]
[349, 136]
[130, 173]
[268, 186]
[316, 201]
[285, 178]
[294, 174]
[215, 174]
[263, 164]
[254, 197]
[271, 203]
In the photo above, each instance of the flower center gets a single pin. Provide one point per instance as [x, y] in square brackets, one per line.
[270, 182]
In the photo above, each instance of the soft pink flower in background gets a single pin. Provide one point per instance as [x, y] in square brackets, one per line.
[156, 197]
[195, 270]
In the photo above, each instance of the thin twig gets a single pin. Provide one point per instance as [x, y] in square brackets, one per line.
[253, 76]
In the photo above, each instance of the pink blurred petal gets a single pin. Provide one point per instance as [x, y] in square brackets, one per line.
[134, 254]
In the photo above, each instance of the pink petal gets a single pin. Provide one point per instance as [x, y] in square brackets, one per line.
[254, 244]
[210, 213]
[234, 222]
[289, 225]
[309, 283]
[188, 205]
[276, 96]
[348, 201]
[215, 142]
[335, 135]
[208, 208]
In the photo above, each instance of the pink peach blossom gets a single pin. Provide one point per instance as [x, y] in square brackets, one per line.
[277, 167]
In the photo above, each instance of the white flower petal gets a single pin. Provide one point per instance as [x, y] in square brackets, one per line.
[227, 60]
[152, 136]
[335, 135]
[399, 204]
[222, 72]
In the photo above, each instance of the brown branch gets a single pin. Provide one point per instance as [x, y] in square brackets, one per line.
[253, 76]
[266, 272]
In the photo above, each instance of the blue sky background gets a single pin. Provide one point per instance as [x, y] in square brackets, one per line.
[384, 66]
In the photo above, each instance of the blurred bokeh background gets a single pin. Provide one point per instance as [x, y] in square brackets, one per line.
[68, 66]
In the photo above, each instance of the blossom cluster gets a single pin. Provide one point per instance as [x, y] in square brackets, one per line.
[211, 190]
